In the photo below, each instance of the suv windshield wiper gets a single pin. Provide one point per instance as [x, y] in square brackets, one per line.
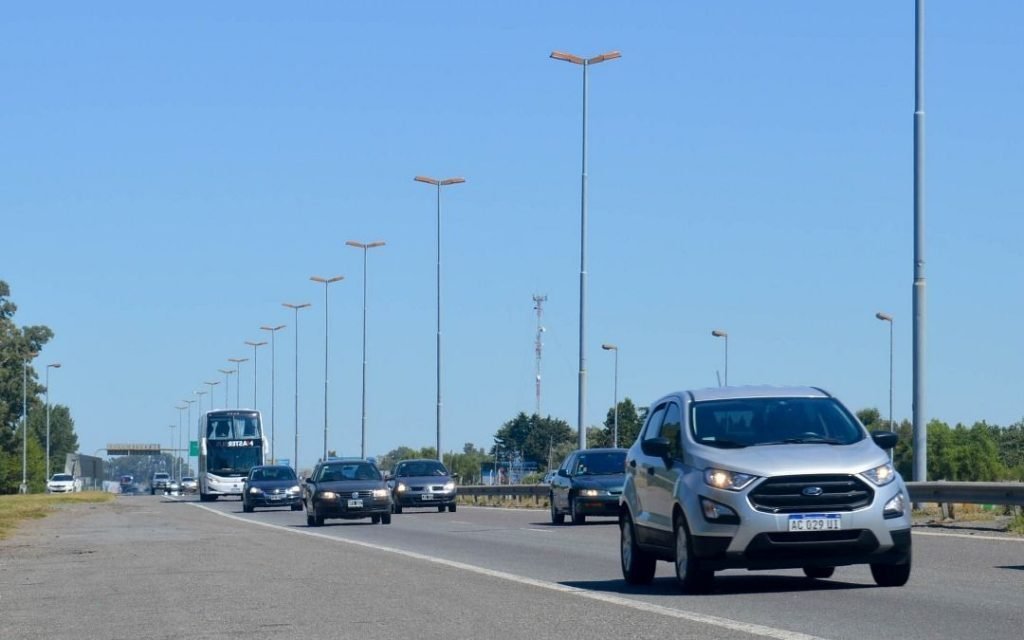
[813, 440]
[724, 444]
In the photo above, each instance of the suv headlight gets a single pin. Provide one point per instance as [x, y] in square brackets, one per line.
[881, 475]
[590, 493]
[730, 480]
[294, 489]
[328, 495]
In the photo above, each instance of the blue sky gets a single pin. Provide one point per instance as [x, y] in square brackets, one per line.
[172, 173]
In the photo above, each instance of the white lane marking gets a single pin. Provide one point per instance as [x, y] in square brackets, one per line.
[965, 536]
[700, 618]
[538, 530]
[524, 509]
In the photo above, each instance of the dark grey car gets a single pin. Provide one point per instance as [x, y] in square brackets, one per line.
[348, 489]
[589, 483]
[271, 486]
[422, 483]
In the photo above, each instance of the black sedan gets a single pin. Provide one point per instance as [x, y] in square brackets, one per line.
[346, 488]
[271, 486]
[422, 483]
[589, 483]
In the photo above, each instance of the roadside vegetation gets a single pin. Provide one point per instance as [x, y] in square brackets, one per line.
[18, 508]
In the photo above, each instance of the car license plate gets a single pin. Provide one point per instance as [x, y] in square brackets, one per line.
[276, 496]
[815, 522]
[355, 504]
[427, 496]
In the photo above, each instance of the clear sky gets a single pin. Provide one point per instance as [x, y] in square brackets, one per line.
[170, 173]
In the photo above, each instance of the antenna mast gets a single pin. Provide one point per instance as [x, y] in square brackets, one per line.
[539, 301]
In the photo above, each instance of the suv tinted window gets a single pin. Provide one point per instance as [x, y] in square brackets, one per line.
[765, 421]
[671, 428]
[654, 422]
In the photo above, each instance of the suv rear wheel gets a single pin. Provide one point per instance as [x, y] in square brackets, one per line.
[691, 575]
[638, 566]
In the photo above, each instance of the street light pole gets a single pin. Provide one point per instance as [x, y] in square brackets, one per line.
[255, 345]
[226, 372]
[24, 422]
[238, 379]
[439, 183]
[920, 424]
[212, 385]
[54, 365]
[718, 333]
[296, 307]
[273, 381]
[326, 282]
[885, 317]
[365, 247]
[582, 387]
[188, 424]
[177, 462]
[615, 431]
[199, 416]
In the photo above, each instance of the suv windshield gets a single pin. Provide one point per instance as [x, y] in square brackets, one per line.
[420, 468]
[768, 421]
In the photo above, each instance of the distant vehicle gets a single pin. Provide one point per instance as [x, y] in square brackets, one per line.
[589, 483]
[127, 484]
[159, 482]
[62, 483]
[271, 486]
[231, 443]
[189, 485]
[422, 483]
[347, 489]
[761, 478]
[173, 487]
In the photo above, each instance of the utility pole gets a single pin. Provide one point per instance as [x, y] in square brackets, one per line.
[539, 301]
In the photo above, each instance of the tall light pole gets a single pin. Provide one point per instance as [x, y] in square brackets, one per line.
[365, 247]
[177, 462]
[24, 422]
[273, 381]
[226, 372]
[53, 365]
[296, 307]
[170, 447]
[885, 317]
[582, 388]
[238, 379]
[920, 424]
[188, 424]
[255, 345]
[212, 385]
[326, 282]
[615, 430]
[718, 333]
[199, 415]
[439, 183]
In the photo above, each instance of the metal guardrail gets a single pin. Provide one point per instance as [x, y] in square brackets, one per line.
[1000, 493]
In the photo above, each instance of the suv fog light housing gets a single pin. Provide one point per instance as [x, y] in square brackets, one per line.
[730, 480]
[881, 475]
[718, 513]
[894, 508]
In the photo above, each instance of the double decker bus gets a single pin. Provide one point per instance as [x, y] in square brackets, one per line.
[230, 443]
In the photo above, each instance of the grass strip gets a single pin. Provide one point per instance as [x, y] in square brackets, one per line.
[17, 508]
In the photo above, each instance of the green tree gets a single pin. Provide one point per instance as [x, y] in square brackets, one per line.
[536, 438]
[63, 439]
[871, 418]
[630, 422]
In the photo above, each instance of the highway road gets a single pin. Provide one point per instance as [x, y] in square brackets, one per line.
[479, 572]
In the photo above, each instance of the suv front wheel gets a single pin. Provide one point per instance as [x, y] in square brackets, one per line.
[638, 566]
[691, 575]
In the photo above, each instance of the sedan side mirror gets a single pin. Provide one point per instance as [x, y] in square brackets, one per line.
[885, 439]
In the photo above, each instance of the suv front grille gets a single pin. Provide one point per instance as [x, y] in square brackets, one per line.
[785, 494]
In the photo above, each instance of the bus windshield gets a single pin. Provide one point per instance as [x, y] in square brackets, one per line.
[233, 461]
[233, 426]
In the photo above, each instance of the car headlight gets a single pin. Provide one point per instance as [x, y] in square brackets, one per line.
[894, 508]
[881, 475]
[328, 495]
[255, 491]
[590, 493]
[380, 493]
[294, 489]
[401, 487]
[730, 480]
[449, 486]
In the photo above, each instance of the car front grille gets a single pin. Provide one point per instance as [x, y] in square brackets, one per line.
[802, 494]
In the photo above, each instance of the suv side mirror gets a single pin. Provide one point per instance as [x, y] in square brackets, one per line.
[563, 473]
[885, 439]
[656, 447]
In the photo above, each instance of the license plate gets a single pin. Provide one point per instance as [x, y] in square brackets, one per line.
[276, 496]
[427, 496]
[815, 522]
[355, 504]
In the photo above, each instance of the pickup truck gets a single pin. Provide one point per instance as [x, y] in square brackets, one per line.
[159, 482]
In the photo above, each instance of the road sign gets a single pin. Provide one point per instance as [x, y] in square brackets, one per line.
[193, 448]
[133, 449]
[284, 462]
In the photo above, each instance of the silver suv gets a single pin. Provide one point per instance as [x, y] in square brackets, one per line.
[761, 478]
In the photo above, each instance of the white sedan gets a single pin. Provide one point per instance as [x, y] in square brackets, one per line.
[62, 483]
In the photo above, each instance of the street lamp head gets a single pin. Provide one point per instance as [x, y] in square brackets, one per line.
[448, 181]
[180, 408]
[442, 183]
[718, 333]
[610, 55]
[200, 393]
[326, 280]
[275, 328]
[255, 344]
[368, 245]
[883, 316]
[609, 347]
[427, 180]
[189, 402]
[53, 365]
[226, 372]
[211, 383]
[238, 360]
[567, 57]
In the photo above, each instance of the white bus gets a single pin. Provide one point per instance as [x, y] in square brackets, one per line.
[230, 443]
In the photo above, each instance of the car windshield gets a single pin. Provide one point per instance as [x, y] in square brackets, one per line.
[273, 474]
[420, 468]
[62, 477]
[160, 476]
[348, 472]
[750, 422]
[600, 463]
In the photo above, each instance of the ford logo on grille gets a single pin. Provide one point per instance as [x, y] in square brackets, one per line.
[812, 491]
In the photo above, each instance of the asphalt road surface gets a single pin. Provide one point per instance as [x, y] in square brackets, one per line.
[164, 567]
